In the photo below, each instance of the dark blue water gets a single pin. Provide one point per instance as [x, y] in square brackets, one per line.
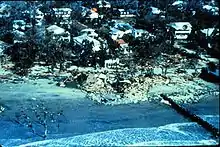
[88, 123]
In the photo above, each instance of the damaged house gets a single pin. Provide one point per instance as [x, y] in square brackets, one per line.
[103, 4]
[122, 13]
[58, 33]
[181, 30]
[19, 29]
[5, 10]
[89, 32]
[80, 40]
[63, 16]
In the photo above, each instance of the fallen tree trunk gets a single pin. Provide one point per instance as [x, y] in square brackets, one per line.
[192, 117]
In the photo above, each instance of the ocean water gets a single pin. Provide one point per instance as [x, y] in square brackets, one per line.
[89, 123]
[177, 134]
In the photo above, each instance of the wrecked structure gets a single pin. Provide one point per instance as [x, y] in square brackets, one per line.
[58, 33]
[181, 30]
[5, 10]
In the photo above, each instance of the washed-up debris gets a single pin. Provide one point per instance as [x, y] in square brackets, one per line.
[181, 87]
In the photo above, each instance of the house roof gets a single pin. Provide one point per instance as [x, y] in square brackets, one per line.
[4, 7]
[80, 39]
[155, 10]
[120, 41]
[103, 4]
[179, 2]
[180, 25]
[78, 26]
[19, 21]
[62, 9]
[125, 26]
[93, 14]
[88, 30]
[55, 29]
[211, 8]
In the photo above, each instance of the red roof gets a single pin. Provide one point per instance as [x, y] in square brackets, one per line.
[120, 41]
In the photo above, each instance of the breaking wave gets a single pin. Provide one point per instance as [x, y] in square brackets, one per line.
[171, 134]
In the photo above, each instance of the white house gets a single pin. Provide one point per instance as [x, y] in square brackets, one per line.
[139, 32]
[112, 63]
[5, 10]
[92, 14]
[103, 4]
[181, 30]
[179, 4]
[39, 17]
[156, 10]
[213, 9]
[80, 39]
[18, 25]
[119, 29]
[59, 33]
[116, 34]
[124, 13]
[65, 13]
[89, 32]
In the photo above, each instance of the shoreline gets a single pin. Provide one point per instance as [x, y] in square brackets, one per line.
[182, 88]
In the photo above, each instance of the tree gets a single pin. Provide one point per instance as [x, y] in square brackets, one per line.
[38, 119]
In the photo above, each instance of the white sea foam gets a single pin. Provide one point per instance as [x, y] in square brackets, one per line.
[172, 134]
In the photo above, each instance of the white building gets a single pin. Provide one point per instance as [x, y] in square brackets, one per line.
[39, 17]
[181, 30]
[89, 32]
[139, 32]
[103, 4]
[120, 29]
[213, 9]
[123, 13]
[92, 15]
[179, 4]
[18, 25]
[59, 33]
[5, 10]
[65, 13]
[80, 39]
[112, 63]
[156, 11]
[116, 34]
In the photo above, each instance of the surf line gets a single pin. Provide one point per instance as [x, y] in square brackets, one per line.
[186, 113]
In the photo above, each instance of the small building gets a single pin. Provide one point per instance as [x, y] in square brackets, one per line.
[116, 34]
[156, 11]
[139, 32]
[5, 10]
[120, 29]
[181, 30]
[82, 38]
[112, 63]
[78, 26]
[122, 13]
[39, 17]
[89, 32]
[92, 14]
[58, 33]
[211, 9]
[103, 4]
[65, 13]
[122, 45]
[179, 4]
[18, 25]
[63, 16]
